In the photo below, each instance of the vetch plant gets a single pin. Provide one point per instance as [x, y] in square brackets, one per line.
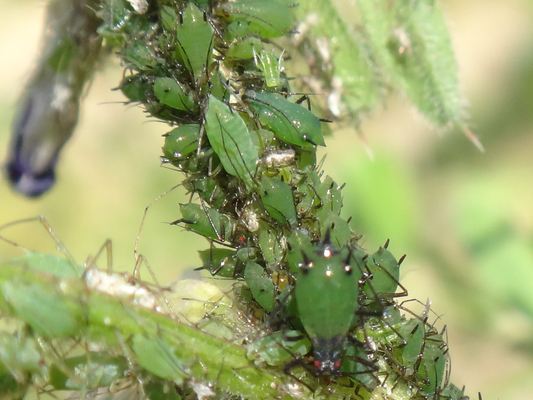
[311, 313]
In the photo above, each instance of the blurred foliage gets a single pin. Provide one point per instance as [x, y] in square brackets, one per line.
[464, 218]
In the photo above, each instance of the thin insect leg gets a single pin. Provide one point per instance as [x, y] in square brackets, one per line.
[129, 359]
[136, 274]
[372, 367]
[49, 392]
[272, 322]
[91, 261]
[295, 363]
[201, 134]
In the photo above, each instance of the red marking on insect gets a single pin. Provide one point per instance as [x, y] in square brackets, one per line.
[241, 239]
[317, 364]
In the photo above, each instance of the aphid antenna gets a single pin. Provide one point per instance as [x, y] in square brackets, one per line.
[424, 315]
[211, 22]
[60, 246]
[138, 238]
[364, 141]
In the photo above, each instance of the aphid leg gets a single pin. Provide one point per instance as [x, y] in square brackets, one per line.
[141, 260]
[126, 350]
[298, 362]
[291, 338]
[90, 261]
[221, 236]
[276, 322]
[305, 97]
[372, 367]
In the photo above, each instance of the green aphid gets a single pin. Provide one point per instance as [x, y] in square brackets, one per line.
[432, 372]
[231, 140]
[207, 222]
[56, 317]
[452, 392]
[298, 240]
[159, 358]
[342, 232]
[88, 371]
[327, 291]
[270, 66]
[136, 88]
[272, 246]
[385, 274]
[194, 37]
[277, 198]
[278, 348]
[266, 18]
[51, 264]
[221, 262]
[169, 92]
[243, 49]
[408, 354]
[291, 122]
[207, 188]
[181, 142]
[138, 56]
[260, 285]
[330, 197]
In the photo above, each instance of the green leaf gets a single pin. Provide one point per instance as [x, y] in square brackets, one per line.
[412, 45]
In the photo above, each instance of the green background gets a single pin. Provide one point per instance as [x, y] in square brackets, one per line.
[465, 219]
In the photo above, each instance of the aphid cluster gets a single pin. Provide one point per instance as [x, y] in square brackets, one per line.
[247, 147]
